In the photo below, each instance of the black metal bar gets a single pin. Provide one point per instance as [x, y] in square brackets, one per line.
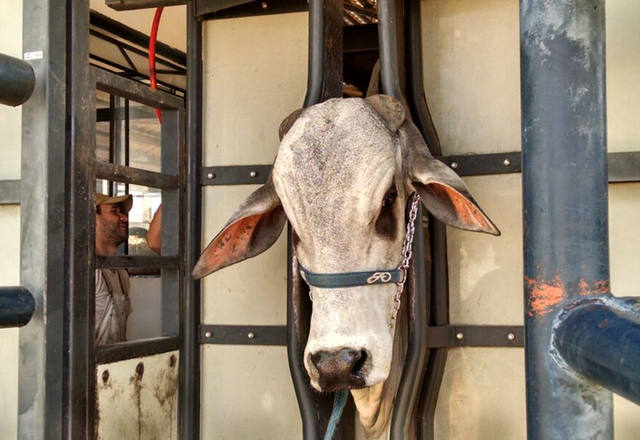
[601, 341]
[243, 334]
[219, 9]
[564, 179]
[16, 306]
[112, 137]
[143, 53]
[136, 37]
[133, 74]
[298, 318]
[126, 261]
[475, 336]
[131, 350]
[485, 164]
[128, 5]
[408, 393]
[43, 250]
[17, 80]
[315, 72]
[235, 175]
[129, 89]
[81, 113]
[135, 176]
[623, 167]
[189, 393]
[389, 41]
[438, 268]
[9, 192]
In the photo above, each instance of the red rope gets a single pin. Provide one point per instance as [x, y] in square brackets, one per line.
[152, 53]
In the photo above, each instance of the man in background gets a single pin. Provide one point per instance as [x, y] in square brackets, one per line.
[112, 285]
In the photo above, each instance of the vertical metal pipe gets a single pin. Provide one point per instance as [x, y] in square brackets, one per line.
[81, 227]
[189, 394]
[315, 72]
[564, 178]
[438, 291]
[392, 62]
[43, 213]
[298, 315]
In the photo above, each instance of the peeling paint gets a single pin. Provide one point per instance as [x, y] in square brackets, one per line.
[543, 295]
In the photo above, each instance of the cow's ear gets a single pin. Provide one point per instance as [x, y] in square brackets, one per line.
[288, 122]
[254, 227]
[391, 110]
[442, 191]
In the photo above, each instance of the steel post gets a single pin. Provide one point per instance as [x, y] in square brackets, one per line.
[189, 393]
[564, 180]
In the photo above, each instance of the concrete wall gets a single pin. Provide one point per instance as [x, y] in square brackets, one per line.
[10, 44]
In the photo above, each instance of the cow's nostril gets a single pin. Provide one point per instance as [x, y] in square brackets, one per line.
[357, 366]
[340, 369]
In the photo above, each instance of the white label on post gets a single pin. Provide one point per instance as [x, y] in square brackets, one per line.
[36, 55]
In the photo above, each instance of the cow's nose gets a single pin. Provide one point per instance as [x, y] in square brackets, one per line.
[340, 369]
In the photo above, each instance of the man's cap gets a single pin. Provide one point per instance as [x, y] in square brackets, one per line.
[125, 202]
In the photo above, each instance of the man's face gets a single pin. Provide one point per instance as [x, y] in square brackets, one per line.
[111, 224]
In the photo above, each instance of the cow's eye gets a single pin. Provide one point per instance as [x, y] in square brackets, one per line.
[389, 198]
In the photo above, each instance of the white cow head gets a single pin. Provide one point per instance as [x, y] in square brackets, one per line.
[343, 173]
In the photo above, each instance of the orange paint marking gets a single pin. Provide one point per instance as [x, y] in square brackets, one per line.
[544, 295]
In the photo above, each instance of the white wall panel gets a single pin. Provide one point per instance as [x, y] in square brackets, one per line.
[138, 399]
[254, 76]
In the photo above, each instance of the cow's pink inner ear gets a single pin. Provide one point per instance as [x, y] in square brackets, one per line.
[468, 212]
[228, 247]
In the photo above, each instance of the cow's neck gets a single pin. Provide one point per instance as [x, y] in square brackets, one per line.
[375, 404]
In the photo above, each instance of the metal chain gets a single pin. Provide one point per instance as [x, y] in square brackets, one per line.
[407, 253]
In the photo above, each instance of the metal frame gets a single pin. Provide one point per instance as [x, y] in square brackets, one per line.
[189, 395]
[564, 171]
[9, 192]
[437, 337]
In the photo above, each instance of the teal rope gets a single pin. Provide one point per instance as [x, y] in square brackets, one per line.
[339, 400]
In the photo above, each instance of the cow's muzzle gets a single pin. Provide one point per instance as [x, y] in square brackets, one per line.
[340, 369]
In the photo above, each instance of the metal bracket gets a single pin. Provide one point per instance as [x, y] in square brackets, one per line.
[235, 175]
[9, 192]
[475, 336]
[243, 334]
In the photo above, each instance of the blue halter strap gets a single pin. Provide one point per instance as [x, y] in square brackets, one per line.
[351, 279]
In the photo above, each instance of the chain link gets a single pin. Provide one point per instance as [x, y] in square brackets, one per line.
[407, 253]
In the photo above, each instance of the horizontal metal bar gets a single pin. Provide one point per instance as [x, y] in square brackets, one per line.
[217, 9]
[136, 176]
[16, 306]
[128, 5]
[133, 90]
[235, 175]
[484, 164]
[623, 167]
[475, 336]
[125, 261]
[136, 349]
[136, 37]
[243, 334]
[600, 339]
[17, 80]
[9, 192]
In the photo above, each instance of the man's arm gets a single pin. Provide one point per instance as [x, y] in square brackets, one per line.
[154, 234]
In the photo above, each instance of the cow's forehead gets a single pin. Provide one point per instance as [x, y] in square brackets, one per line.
[335, 145]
